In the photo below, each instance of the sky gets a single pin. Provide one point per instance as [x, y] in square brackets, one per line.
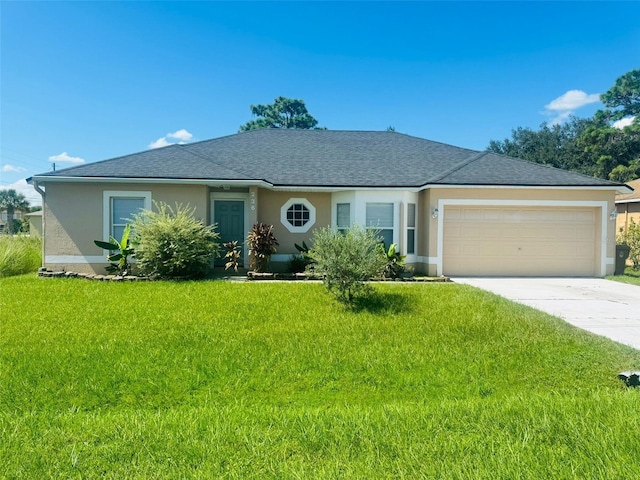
[87, 81]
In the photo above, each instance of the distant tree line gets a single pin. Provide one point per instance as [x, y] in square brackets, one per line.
[593, 146]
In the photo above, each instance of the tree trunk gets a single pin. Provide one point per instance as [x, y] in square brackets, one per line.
[9, 225]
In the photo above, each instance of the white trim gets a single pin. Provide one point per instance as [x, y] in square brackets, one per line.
[43, 179]
[631, 200]
[78, 259]
[530, 187]
[298, 201]
[107, 195]
[144, 180]
[524, 203]
[428, 260]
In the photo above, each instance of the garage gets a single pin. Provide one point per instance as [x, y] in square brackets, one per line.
[521, 241]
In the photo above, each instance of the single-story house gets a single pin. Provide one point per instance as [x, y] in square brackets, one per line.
[628, 206]
[451, 210]
[35, 223]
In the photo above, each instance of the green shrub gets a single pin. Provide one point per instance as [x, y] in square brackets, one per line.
[299, 263]
[347, 260]
[631, 238]
[395, 266]
[19, 255]
[262, 244]
[173, 243]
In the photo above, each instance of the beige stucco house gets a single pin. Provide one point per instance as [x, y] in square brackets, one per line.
[628, 206]
[452, 211]
[35, 223]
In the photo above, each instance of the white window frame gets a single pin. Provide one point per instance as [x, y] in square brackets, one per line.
[339, 227]
[394, 219]
[312, 215]
[107, 195]
[411, 230]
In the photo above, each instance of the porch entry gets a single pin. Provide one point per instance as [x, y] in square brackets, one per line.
[229, 215]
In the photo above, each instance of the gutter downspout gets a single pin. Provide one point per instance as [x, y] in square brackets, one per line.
[42, 194]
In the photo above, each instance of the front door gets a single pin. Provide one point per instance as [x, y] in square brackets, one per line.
[229, 215]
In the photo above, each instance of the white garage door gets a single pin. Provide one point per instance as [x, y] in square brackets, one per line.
[517, 241]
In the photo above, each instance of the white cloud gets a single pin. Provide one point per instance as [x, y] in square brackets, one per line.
[12, 168]
[159, 143]
[564, 106]
[572, 100]
[21, 186]
[624, 122]
[180, 135]
[65, 158]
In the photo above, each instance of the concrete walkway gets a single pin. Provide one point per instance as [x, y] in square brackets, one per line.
[604, 307]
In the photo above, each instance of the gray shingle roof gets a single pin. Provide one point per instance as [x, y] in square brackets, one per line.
[328, 158]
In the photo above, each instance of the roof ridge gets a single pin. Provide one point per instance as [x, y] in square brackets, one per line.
[456, 167]
[210, 160]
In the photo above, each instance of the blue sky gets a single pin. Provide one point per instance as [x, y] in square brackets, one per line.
[87, 81]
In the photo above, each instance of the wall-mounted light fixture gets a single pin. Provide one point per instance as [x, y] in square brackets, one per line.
[434, 213]
[613, 215]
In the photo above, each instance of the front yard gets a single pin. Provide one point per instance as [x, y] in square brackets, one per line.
[219, 379]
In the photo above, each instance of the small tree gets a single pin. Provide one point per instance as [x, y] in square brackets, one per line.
[347, 260]
[262, 244]
[10, 201]
[631, 238]
[172, 243]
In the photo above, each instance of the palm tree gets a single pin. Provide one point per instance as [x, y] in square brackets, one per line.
[10, 200]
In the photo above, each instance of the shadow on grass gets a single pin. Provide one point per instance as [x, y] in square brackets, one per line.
[380, 303]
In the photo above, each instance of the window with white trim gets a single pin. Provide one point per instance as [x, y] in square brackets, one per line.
[411, 228]
[298, 215]
[119, 209]
[343, 216]
[379, 216]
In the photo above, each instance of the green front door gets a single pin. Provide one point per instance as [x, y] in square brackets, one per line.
[229, 215]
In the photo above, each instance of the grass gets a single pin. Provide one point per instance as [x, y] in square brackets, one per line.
[19, 255]
[260, 380]
[630, 276]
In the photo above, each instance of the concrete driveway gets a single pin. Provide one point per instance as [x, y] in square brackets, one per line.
[604, 307]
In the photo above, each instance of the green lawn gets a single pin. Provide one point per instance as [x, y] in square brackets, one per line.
[275, 380]
[630, 276]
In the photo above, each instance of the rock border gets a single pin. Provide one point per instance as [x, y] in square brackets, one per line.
[46, 273]
[251, 276]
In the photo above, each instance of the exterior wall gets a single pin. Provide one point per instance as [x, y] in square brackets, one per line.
[627, 212]
[269, 205]
[438, 197]
[74, 217]
[35, 224]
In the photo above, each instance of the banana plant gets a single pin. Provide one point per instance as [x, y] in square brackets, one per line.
[121, 251]
[395, 261]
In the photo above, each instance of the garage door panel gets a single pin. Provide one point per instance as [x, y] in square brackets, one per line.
[540, 241]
